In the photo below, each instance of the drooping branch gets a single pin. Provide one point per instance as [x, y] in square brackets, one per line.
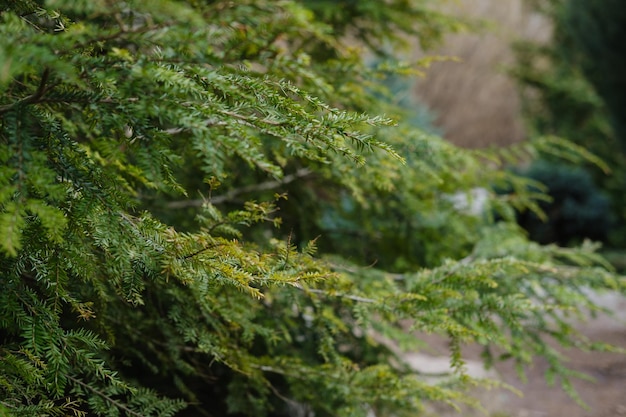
[263, 186]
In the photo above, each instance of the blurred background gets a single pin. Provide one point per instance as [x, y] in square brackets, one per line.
[539, 68]
[547, 68]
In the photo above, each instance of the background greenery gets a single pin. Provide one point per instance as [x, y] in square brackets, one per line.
[204, 212]
[572, 88]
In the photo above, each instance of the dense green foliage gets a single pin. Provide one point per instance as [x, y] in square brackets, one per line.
[574, 88]
[147, 148]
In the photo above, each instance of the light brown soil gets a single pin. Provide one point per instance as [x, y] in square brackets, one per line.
[605, 396]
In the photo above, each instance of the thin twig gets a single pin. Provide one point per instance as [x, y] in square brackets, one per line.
[395, 277]
[346, 296]
[120, 22]
[203, 249]
[106, 397]
[463, 262]
[263, 186]
[114, 35]
[208, 123]
[33, 98]
[251, 118]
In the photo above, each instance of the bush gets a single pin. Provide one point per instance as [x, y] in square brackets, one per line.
[146, 148]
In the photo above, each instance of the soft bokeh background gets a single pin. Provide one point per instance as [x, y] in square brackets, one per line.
[504, 89]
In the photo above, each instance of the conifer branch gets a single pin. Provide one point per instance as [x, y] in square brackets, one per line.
[104, 396]
[33, 98]
[186, 295]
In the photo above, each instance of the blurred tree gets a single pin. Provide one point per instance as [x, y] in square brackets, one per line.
[578, 209]
[146, 148]
[572, 88]
[597, 30]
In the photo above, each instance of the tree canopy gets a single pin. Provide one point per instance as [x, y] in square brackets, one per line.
[216, 208]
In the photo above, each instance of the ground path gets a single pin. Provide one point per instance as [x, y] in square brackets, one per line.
[605, 396]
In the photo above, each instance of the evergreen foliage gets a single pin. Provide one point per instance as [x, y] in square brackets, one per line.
[146, 148]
